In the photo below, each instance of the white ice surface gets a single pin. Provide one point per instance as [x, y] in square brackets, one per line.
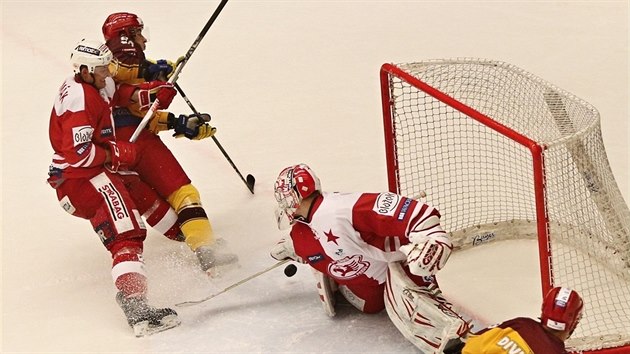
[285, 82]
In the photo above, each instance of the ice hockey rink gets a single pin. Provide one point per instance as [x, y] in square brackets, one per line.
[285, 82]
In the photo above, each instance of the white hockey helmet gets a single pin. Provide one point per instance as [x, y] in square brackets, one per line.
[90, 53]
[293, 185]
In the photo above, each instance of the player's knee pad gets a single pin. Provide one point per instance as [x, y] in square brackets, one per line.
[423, 316]
[192, 217]
[128, 268]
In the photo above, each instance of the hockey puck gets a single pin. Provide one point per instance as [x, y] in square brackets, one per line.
[290, 270]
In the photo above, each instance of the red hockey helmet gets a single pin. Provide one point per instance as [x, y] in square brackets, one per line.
[293, 185]
[562, 309]
[121, 22]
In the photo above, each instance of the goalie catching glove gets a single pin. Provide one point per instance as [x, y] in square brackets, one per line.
[194, 127]
[429, 248]
[284, 250]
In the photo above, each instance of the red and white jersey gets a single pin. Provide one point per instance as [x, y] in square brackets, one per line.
[352, 236]
[80, 124]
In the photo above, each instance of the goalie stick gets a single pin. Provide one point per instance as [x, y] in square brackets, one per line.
[250, 181]
[173, 79]
[242, 281]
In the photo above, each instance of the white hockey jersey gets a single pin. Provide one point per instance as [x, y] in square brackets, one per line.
[352, 236]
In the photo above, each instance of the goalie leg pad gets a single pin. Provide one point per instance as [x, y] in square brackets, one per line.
[326, 287]
[424, 317]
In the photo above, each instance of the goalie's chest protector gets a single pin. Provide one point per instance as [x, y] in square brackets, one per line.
[332, 244]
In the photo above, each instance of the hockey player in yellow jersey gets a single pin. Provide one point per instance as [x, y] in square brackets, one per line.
[561, 313]
[158, 167]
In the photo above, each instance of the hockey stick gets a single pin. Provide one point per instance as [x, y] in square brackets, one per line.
[250, 179]
[195, 302]
[173, 79]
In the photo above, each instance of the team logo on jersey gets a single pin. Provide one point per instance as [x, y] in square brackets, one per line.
[82, 134]
[330, 237]
[348, 267]
[386, 204]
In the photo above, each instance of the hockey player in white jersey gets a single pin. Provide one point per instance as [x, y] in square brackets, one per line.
[377, 250]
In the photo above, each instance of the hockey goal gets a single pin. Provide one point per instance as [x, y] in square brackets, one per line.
[504, 154]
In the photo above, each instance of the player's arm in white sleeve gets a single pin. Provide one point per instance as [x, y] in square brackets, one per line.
[429, 246]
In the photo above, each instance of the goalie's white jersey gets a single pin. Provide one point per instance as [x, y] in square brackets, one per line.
[352, 236]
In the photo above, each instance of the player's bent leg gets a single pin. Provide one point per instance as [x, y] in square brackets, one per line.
[421, 314]
[119, 226]
[130, 279]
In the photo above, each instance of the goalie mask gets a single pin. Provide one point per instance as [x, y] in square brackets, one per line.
[122, 22]
[90, 53]
[562, 309]
[293, 185]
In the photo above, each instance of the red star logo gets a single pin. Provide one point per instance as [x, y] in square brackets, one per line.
[331, 237]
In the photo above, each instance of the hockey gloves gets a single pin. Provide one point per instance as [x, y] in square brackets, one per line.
[161, 69]
[121, 153]
[193, 127]
[161, 121]
[284, 250]
[150, 91]
[426, 255]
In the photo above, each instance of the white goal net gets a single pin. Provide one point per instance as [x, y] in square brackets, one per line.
[504, 154]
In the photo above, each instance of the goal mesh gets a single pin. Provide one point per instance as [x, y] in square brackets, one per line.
[504, 154]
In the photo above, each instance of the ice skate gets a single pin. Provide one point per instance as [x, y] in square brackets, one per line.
[213, 262]
[144, 319]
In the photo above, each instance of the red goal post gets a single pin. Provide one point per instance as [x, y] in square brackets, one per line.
[506, 155]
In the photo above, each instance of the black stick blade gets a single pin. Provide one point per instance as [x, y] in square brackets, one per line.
[250, 183]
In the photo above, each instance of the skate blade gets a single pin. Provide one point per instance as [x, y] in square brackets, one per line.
[145, 328]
